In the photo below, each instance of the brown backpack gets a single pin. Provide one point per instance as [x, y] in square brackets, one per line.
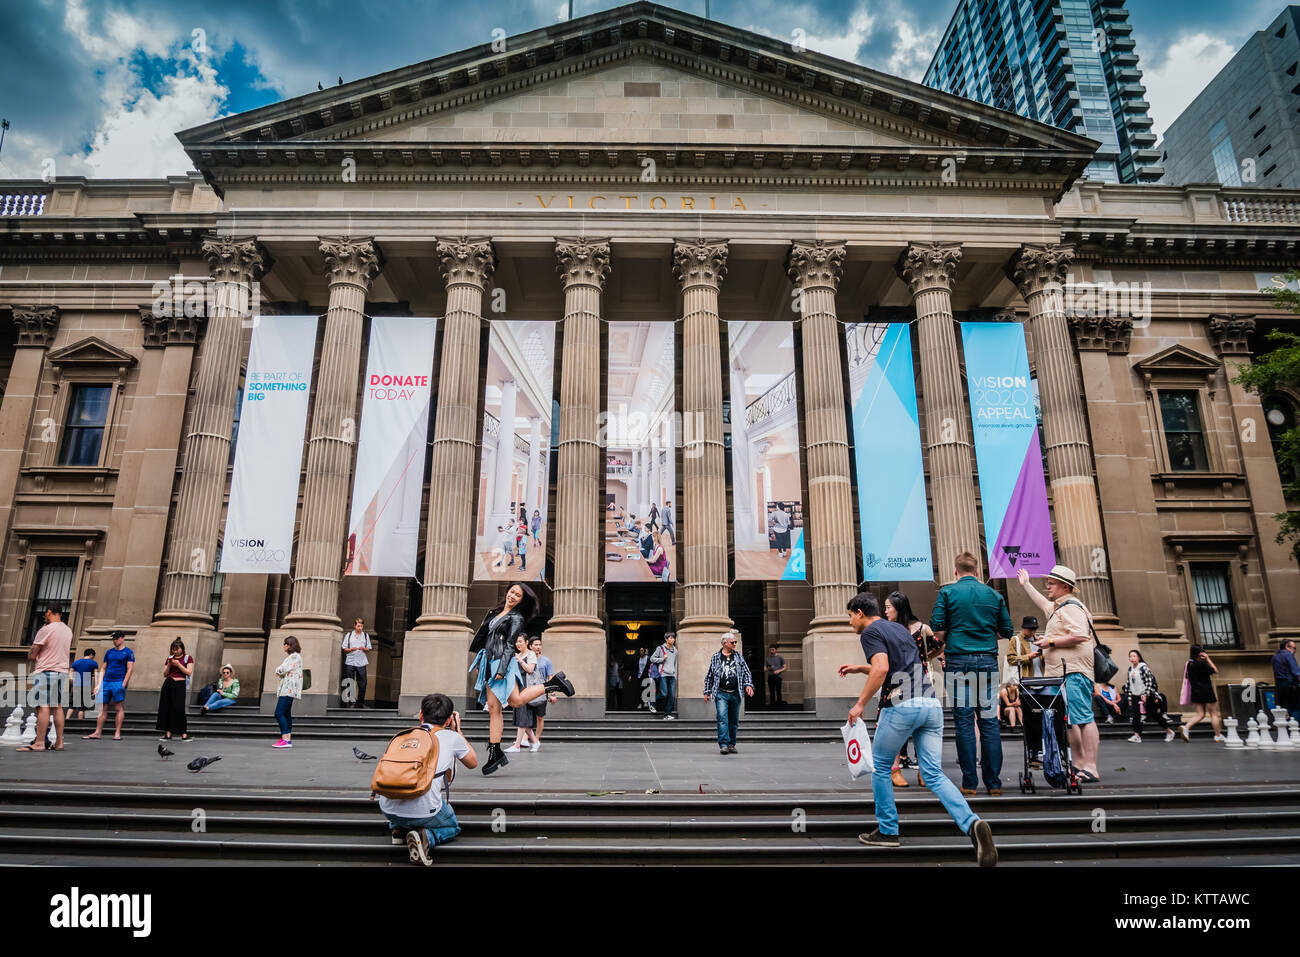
[409, 765]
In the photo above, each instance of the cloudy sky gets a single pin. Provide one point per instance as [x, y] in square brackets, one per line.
[99, 87]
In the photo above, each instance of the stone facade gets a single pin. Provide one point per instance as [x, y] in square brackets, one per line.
[438, 191]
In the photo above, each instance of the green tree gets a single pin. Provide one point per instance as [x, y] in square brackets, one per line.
[1277, 369]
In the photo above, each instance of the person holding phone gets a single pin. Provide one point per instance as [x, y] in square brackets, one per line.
[171, 696]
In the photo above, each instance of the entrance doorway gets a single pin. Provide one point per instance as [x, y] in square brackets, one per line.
[639, 615]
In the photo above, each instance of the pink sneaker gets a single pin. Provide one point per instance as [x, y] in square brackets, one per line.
[282, 744]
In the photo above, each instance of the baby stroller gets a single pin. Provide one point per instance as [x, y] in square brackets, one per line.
[1044, 698]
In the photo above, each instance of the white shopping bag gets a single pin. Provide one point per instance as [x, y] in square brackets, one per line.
[857, 748]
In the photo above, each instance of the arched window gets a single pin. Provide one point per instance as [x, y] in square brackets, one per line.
[1280, 414]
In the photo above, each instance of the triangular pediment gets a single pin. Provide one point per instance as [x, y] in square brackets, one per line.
[614, 86]
[1177, 359]
[90, 351]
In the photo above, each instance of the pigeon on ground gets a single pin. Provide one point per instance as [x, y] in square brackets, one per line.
[164, 753]
[198, 764]
[340, 81]
[362, 756]
[318, 86]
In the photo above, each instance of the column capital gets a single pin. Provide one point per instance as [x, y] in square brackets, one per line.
[162, 331]
[467, 261]
[1035, 267]
[352, 261]
[235, 260]
[583, 262]
[1230, 334]
[700, 262]
[816, 263]
[36, 325]
[1112, 334]
[929, 265]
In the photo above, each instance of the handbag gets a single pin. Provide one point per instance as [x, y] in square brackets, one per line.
[206, 692]
[1185, 697]
[857, 748]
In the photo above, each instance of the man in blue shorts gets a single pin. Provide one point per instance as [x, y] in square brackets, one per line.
[119, 663]
[1067, 644]
[83, 683]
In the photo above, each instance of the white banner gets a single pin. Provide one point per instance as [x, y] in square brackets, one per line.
[384, 531]
[268, 451]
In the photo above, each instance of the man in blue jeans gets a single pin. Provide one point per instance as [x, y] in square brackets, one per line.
[968, 618]
[908, 708]
[428, 820]
[728, 673]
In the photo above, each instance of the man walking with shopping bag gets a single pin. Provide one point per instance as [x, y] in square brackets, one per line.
[908, 708]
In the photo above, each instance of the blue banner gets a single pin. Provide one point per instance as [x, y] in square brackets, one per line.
[894, 522]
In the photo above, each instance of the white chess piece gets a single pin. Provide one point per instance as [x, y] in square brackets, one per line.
[1233, 739]
[1294, 727]
[1252, 739]
[14, 726]
[29, 730]
[1265, 738]
[1279, 722]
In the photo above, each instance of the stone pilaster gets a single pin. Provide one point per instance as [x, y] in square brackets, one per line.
[434, 656]
[576, 639]
[1230, 335]
[1038, 272]
[929, 270]
[700, 265]
[815, 268]
[350, 265]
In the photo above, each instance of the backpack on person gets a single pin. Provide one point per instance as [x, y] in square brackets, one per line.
[408, 767]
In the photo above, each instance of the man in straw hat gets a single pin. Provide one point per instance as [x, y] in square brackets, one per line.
[1067, 645]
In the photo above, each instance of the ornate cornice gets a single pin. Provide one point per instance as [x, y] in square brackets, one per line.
[466, 260]
[163, 331]
[353, 261]
[235, 260]
[700, 262]
[1230, 334]
[818, 263]
[1111, 334]
[1034, 268]
[36, 325]
[583, 261]
[929, 265]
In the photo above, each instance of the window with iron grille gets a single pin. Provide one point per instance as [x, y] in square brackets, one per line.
[83, 433]
[55, 577]
[1180, 414]
[1215, 619]
[218, 583]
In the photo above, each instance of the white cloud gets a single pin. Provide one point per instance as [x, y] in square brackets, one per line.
[913, 53]
[1188, 65]
[844, 46]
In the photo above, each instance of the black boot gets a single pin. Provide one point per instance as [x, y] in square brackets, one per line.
[496, 757]
[560, 683]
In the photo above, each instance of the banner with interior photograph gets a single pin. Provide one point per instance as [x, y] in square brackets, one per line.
[767, 504]
[1008, 456]
[639, 439]
[268, 449]
[514, 480]
[384, 527]
[893, 521]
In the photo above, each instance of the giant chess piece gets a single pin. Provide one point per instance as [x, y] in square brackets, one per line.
[1279, 722]
[1265, 739]
[29, 730]
[1294, 727]
[14, 727]
[1233, 739]
[1252, 739]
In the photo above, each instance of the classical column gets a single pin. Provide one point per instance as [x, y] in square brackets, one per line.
[350, 264]
[533, 495]
[929, 269]
[1038, 272]
[575, 630]
[37, 326]
[815, 268]
[700, 266]
[504, 463]
[1277, 563]
[234, 265]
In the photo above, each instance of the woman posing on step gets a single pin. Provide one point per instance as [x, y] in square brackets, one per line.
[497, 671]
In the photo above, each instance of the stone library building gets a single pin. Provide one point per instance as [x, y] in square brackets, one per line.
[681, 327]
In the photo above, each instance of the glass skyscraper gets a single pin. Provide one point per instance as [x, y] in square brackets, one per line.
[1070, 63]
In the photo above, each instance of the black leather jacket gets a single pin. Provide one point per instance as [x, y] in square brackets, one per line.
[499, 641]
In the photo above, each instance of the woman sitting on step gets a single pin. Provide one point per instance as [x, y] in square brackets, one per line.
[497, 669]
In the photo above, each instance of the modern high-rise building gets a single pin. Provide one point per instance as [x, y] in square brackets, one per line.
[1070, 63]
[1244, 129]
